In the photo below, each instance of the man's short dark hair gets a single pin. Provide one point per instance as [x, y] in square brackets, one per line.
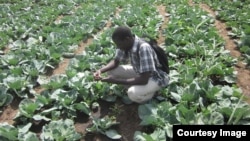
[121, 33]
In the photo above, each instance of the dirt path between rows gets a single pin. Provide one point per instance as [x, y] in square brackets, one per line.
[243, 74]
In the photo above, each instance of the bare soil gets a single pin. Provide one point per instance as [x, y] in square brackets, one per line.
[128, 115]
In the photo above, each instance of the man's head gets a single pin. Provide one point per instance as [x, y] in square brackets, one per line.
[123, 38]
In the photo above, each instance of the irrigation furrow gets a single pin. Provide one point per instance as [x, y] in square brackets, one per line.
[162, 11]
[243, 74]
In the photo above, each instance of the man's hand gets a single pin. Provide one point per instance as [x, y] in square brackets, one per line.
[108, 79]
[97, 75]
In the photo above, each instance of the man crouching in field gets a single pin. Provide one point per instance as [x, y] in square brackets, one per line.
[143, 74]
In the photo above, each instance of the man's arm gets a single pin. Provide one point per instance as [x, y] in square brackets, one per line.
[142, 79]
[111, 65]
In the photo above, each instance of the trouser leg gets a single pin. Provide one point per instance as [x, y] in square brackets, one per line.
[143, 93]
[137, 93]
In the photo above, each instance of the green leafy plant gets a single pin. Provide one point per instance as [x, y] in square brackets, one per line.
[21, 133]
[157, 135]
[60, 130]
[55, 82]
[104, 126]
[27, 109]
[5, 97]
[8, 132]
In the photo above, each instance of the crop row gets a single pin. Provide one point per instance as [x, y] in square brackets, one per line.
[236, 16]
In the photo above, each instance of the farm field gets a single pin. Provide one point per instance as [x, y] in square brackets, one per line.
[49, 50]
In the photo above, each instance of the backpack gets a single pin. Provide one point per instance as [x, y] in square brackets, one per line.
[161, 54]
